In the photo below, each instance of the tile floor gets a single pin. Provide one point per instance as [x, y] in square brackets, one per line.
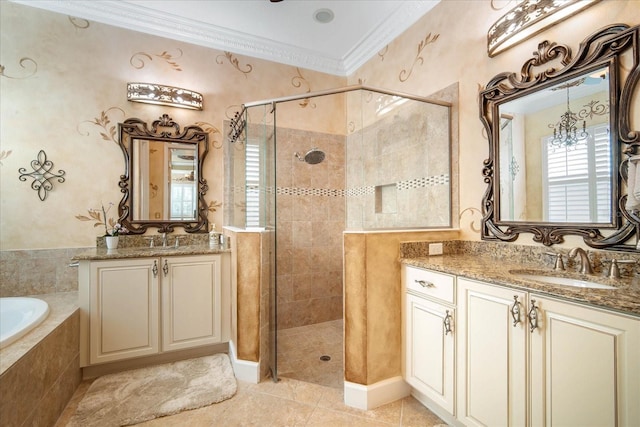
[300, 349]
[286, 403]
[309, 393]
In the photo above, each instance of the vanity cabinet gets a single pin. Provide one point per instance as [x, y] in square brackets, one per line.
[145, 306]
[563, 364]
[429, 342]
[585, 366]
[123, 309]
[492, 355]
[190, 302]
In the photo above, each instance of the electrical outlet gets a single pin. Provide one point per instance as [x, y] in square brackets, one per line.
[435, 248]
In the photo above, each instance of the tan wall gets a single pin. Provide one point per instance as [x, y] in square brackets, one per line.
[373, 316]
[248, 276]
[449, 45]
[63, 91]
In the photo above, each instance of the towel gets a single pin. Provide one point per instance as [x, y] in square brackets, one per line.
[633, 184]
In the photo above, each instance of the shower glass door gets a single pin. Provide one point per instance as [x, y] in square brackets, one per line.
[260, 199]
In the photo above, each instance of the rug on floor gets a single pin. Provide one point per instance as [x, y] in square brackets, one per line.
[131, 397]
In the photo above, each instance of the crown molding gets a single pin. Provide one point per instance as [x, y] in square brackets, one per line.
[403, 18]
[137, 18]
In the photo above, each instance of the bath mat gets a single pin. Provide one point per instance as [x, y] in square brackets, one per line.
[131, 397]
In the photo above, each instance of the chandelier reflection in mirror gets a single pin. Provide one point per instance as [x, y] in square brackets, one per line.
[565, 132]
[150, 93]
[528, 18]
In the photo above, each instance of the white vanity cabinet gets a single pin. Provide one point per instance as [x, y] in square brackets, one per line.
[558, 364]
[429, 342]
[145, 306]
[492, 344]
[191, 302]
[585, 366]
[123, 309]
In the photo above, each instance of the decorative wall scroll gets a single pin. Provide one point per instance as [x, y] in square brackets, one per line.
[41, 175]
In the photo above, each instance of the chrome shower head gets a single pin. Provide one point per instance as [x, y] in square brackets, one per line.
[313, 156]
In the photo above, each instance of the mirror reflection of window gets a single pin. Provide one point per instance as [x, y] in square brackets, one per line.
[182, 200]
[577, 185]
[570, 111]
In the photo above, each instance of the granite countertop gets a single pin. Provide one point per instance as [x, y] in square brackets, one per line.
[624, 299]
[141, 252]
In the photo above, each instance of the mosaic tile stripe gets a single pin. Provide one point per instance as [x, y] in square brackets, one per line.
[426, 181]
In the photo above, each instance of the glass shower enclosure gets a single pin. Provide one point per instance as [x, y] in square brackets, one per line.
[303, 169]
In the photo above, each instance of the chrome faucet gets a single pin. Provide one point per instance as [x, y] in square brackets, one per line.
[585, 267]
[164, 240]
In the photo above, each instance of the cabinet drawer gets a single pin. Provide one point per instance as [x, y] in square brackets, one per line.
[430, 283]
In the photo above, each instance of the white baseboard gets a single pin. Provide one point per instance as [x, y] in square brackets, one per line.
[371, 396]
[244, 370]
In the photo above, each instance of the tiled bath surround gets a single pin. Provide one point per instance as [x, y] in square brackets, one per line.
[40, 373]
[33, 272]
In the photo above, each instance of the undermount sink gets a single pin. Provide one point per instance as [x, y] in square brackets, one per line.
[559, 280]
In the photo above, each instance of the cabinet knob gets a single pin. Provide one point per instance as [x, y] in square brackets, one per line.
[155, 269]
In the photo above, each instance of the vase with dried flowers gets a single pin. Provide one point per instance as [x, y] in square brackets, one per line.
[112, 228]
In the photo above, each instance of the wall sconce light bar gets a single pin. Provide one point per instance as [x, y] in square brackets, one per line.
[528, 18]
[150, 93]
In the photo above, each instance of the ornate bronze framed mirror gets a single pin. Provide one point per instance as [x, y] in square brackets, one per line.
[560, 144]
[163, 185]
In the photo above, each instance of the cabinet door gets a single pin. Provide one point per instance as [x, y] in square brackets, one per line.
[491, 387]
[585, 367]
[190, 301]
[429, 350]
[123, 309]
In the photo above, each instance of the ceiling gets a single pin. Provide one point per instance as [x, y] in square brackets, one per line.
[283, 31]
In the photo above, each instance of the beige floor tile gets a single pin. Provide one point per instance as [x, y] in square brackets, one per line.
[309, 393]
[327, 417]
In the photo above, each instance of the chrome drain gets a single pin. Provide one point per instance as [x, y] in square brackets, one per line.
[325, 358]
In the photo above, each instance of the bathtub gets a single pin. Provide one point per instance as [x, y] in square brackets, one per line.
[19, 315]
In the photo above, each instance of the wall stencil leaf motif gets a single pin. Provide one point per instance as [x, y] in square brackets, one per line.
[383, 52]
[137, 61]
[474, 227]
[297, 82]
[25, 63]
[212, 131]
[429, 39]
[4, 154]
[109, 131]
[234, 62]
[79, 23]
[214, 206]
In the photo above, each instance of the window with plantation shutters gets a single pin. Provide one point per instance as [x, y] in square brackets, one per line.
[577, 185]
[252, 168]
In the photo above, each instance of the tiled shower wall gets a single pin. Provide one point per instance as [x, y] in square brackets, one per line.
[399, 166]
[310, 222]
